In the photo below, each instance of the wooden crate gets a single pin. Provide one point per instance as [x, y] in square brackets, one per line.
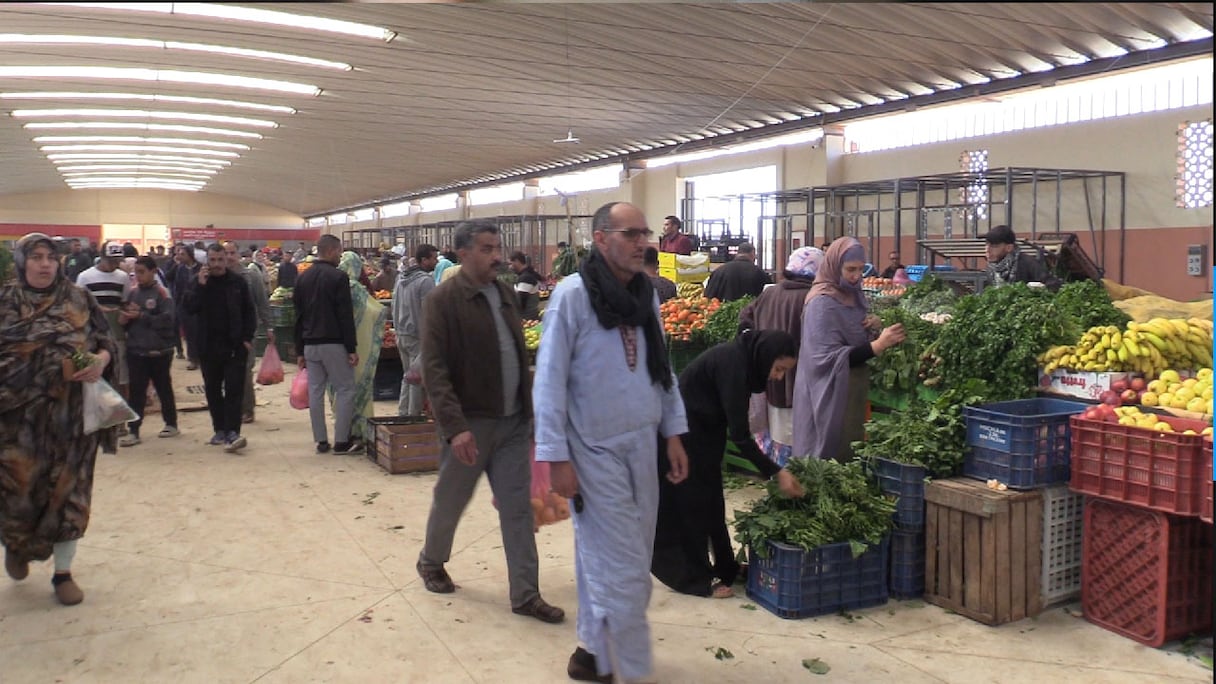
[983, 550]
[405, 445]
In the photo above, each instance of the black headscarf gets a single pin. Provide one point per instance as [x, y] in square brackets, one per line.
[762, 348]
[631, 304]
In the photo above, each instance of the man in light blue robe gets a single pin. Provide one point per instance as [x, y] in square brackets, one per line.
[604, 394]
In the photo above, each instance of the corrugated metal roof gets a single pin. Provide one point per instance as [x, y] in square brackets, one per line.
[472, 92]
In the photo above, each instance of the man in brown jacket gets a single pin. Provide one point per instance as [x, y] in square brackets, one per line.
[475, 371]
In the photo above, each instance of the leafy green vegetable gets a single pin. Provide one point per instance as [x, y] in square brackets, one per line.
[930, 294]
[1090, 304]
[720, 653]
[841, 505]
[898, 368]
[928, 434]
[723, 324]
[995, 336]
[816, 666]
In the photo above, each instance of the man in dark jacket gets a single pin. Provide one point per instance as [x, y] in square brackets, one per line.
[475, 368]
[527, 285]
[739, 278]
[1006, 265]
[325, 336]
[411, 288]
[288, 270]
[181, 276]
[226, 322]
[151, 332]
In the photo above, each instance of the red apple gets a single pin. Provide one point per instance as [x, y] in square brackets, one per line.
[1130, 396]
[1138, 384]
[1111, 398]
[1119, 386]
[1092, 413]
[1107, 411]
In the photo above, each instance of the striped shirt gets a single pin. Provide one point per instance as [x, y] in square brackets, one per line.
[110, 289]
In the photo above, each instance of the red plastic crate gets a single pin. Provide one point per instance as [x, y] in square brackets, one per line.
[1157, 470]
[1205, 506]
[1145, 575]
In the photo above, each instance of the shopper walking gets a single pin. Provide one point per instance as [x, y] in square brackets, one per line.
[148, 317]
[221, 301]
[325, 334]
[838, 337]
[256, 286]
[46, 459]
[475, 368]
[413, 285]
[110, 286]
[369, 315]
[604, 394]
[182, 274]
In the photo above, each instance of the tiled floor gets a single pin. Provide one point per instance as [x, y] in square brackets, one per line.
[282, 566]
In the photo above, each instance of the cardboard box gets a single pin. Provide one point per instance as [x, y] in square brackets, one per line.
[1083, 384]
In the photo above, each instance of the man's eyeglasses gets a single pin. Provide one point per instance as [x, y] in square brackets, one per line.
[634, 234]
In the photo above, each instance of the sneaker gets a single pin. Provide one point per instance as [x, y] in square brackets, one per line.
[129, 440]
[354, 446]
[169, 431]
[218, 439]
[235, 443]
[322, 447]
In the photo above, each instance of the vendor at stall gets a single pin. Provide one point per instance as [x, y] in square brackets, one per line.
[1006, 265]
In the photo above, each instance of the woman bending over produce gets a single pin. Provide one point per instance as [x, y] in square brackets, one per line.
[716, 388]
[833, 379]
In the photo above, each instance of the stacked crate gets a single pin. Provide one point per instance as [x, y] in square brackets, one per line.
[906, 577]
[1147, 552]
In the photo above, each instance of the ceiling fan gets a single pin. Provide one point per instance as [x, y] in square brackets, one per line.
[570, 138]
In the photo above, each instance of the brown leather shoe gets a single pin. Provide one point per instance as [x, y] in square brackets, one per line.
[436, 580]
[15, 567]
[581, 668]
[541, 610]
[66, 590]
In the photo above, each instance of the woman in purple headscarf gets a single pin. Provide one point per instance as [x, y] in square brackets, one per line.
[837, 339]
[780, 308]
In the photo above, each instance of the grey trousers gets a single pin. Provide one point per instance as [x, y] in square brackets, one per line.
[328, 364]
[410, 401]
[502, 453]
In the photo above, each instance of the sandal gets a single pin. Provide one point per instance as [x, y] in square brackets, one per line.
[719, 590]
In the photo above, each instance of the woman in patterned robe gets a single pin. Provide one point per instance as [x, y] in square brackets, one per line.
[46, 459]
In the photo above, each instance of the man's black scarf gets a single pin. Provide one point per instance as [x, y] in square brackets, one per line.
[633, 304]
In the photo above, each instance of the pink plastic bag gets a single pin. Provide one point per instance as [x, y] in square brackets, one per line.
[548, 507]
[271, 370]
[299, 390]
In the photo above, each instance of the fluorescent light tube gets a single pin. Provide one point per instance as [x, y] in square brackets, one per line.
[47, 39]
[249, 14]
[140, 148]
[123, 126]
[49, 139]
[128, 168]
[123, 155]
[168, 75]
[143, 114]
[177, 99]
[137, 172]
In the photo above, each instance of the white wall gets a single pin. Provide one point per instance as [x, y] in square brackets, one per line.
[150, 207]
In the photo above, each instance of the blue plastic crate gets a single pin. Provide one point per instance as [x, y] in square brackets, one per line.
[915, 272]
[908, 483]
[907, 564]
[1024, 444]
[793, 583]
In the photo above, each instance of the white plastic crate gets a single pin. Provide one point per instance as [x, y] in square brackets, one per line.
[1063, 511]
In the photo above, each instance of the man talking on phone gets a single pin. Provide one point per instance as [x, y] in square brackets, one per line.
[227, 321]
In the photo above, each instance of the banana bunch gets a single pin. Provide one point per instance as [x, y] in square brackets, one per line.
[1147, 348]
[689, 290]
[1179, 343]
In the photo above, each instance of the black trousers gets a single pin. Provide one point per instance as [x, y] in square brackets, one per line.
[224, 383]
[187, 325]
[141, 369]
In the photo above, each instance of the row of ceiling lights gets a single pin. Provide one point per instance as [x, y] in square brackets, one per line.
[160, 159]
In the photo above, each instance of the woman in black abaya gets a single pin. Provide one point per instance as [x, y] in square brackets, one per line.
[716, 388]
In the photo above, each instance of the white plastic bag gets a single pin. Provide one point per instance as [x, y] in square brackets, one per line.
[104, 407]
